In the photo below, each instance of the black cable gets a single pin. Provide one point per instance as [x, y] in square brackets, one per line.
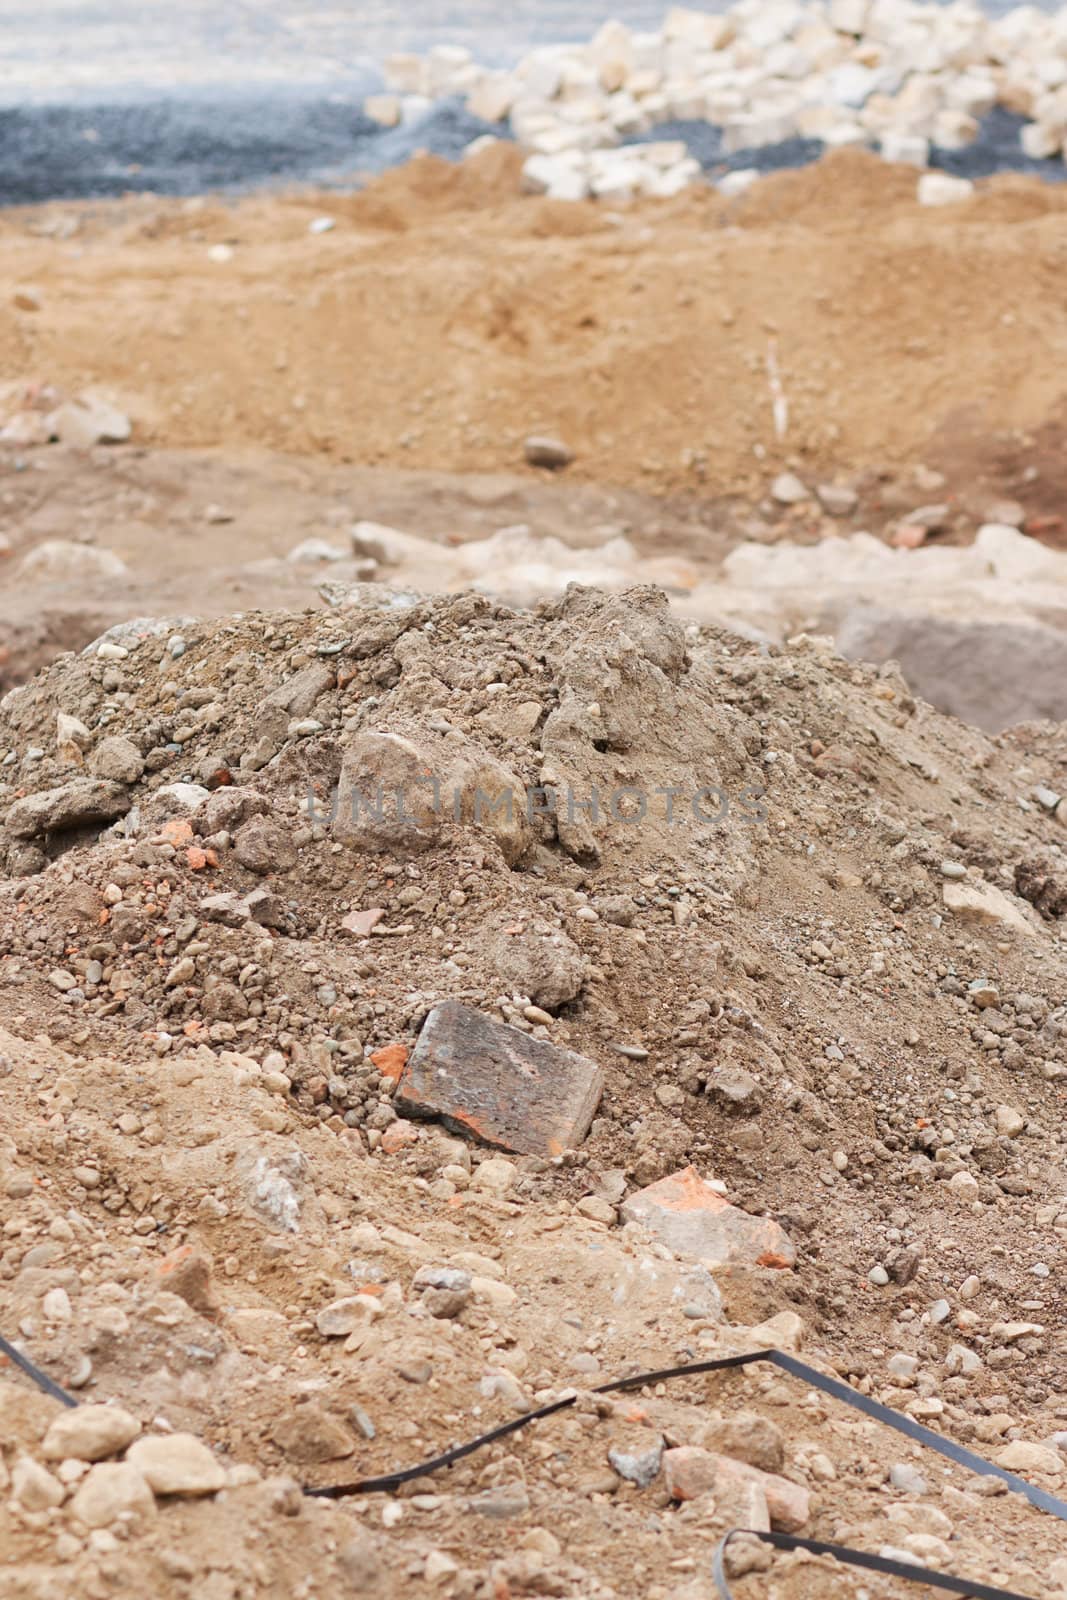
[41, 1379]
[858, 1558]
[787, 1363]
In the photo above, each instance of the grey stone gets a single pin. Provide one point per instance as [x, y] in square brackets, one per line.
[78, 804]
[496, 1082]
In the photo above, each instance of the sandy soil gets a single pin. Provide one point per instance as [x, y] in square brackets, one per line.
[218, 1210]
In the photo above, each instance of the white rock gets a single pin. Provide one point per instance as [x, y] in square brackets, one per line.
[34, 1487]
[788, 490]
[732, 184]
[1040, 141]
[557, 177]
[109, 1491]
[848, 16]
[910, 149]
[177, 1463]
[493, 98]
[342, 1317]
[88, 421]
[89, 1433]
[942, 189]
[315, 550]
[496, 1174]
[63, 561]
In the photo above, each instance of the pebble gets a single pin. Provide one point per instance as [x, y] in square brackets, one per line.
[177, 1463]
[112, 1490]
[541, 450]
[34, 1487]
[788, 490]
[878, 1276]
[639, 1465]
[942, 189]
[89, 1433]
[1010, 1121]
[907, 1479]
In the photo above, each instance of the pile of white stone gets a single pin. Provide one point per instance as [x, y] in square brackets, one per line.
[895, 74]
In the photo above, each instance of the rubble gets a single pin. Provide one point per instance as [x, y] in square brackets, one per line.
[903, 78]
[745, 1065]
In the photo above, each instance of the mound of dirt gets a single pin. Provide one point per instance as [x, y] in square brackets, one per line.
[805, 931]
[445, 317]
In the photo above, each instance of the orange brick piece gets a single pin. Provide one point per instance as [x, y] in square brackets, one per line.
[689, 1216]
[690, 1472]
[496, 1082]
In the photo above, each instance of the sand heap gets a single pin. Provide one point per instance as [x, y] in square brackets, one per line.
[785, 926]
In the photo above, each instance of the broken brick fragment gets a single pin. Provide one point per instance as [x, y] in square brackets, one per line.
[496, 1082]
[689, 1216]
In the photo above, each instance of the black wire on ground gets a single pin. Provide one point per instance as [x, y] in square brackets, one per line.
[888, 1566]
[41, 1379]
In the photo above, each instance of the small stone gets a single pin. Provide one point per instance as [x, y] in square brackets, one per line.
[953, 869]
[78, 804]
[34, 1487]
[983, 994]
[838, 500]
[439, 1567]
[907, 1479]
[941, 189]
[983, 903]
[596, 1209]
[878, 1276]
[1022, 1456]
[177, 1463]
[496, 1175]
[308, 1434]
[118, 759]
[89, 1433]
[86, 422]
[940, 1311]
[640, 1463]
[542, 451]
[690, 1472]
[1010, 1121]
[112, 1490]
[788, 490]
[187, 1271]
[342, 1317]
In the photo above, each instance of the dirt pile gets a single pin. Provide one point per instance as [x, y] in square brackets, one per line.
[445, 317]
[807, 929]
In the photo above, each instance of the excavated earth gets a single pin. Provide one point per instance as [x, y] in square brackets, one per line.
[807, 929]
[843, 1001]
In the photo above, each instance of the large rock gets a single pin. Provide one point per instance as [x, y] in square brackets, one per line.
[78, 804]
[88, 421]
[109, 1491]
[991, 674]
[396, 793]
[63, 561]
[177, 1463]
[985, 903]
[493, 1081]
[690, 1217]
[89, 1433]
[691, 1472]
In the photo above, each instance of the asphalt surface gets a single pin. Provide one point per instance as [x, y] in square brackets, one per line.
[101, 97]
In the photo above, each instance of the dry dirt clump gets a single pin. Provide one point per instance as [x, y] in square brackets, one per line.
[447, 316]
[780, 904]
